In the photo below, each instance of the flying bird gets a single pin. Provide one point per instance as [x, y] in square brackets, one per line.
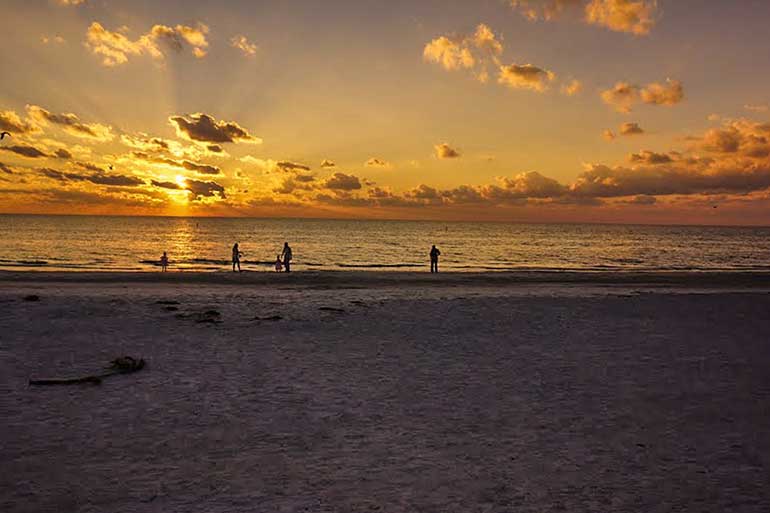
[3, 134]
[110, 167]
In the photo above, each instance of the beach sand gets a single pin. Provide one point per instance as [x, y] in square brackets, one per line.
[393, 392]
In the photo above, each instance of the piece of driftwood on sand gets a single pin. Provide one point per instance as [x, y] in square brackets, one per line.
[122, 365]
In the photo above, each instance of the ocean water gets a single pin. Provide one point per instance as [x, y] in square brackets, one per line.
[88, 243]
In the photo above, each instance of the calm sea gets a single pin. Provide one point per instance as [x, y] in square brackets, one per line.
[77, 243]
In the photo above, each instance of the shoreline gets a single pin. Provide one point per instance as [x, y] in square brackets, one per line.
[356, 279]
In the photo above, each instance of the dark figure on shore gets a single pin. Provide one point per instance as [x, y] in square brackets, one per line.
[286, 256]
[164, 262]
[237, 257]
[434, 253]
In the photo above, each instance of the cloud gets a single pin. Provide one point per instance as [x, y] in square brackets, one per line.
[476, 52]
[525, 76]
[572, 88]
[145, 142]
[98, 178]
[740, 137]
[678, 178]
[25, 151]
[444, 151]
[62, 153]
[204, 128]
[634, 16]
[630, 129]
[327, 163]
[115, 48]
[6, 169]
[376, 162]
[204, 169]
[242, 43]
[89, 166]
[11, 122]
[290, 167]
[166, 185]
[199, 190]
[669, 93]
[608, 135]
[649, 157]
[53, 40]
[342, 182]
[71, 124]
[756, 108]
[623, 96]
[547, 10]
[70, 2]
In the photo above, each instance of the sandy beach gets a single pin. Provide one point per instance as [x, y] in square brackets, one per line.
[393, 392]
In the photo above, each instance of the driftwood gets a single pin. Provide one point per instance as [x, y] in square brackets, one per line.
[122, 365]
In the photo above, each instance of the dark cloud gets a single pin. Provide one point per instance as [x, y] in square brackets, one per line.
[166, 185]
[62, 154]
[342, 182]
[444, 151]
[677, 178]
[375, 162]
[304, 178]
[200, 190]
[649, 157]
[327, 163]
[6, 169]
[215, 148]
[630, 129]
[204, 169]
[289, 167]
[204, 128]
[89, 166]
[25, 151]
[97, 178]
[71, 124]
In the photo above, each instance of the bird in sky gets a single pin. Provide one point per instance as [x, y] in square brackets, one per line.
[3, 134]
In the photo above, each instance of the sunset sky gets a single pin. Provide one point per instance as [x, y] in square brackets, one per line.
[515, 110]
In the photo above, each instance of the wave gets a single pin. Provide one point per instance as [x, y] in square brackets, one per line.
[378, 266]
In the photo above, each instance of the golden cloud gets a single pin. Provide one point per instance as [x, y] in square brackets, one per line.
[444, 151]
[525, 76]
[242, 43]
[115, 48]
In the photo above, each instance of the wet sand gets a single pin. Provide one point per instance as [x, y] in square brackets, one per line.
[387, 392]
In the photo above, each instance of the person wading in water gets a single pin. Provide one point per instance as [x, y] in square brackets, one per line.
[237, 257]
[434, 253]
[286, 256]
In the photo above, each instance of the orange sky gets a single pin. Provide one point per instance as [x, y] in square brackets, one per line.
[537, 111]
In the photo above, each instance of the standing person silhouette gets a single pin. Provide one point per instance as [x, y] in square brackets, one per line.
[286, 256]
[434, 253]
[164, 262]
[237, 257]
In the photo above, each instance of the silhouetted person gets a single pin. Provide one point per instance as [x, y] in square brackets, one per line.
[434, 253]
[286, 255]
[164, 262]
[237, 257]
[278, 264]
